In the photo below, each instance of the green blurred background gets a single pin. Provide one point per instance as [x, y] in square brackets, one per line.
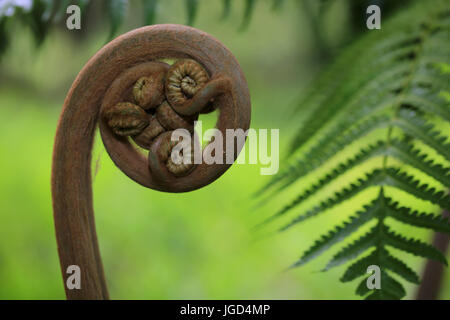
[197, 245]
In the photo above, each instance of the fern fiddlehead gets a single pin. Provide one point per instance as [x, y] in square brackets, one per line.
[391, 90]
[122, 89]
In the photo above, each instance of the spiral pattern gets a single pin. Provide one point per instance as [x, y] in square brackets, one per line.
[110, 78]
[187, 86]
[184, 79]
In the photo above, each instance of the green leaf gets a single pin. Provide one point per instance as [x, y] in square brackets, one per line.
[428, 104]
[422, 220]
[390, 288]
[359, 268]
[400, 268]
[392, 79]
[353, 250]
[150, 7]
[117, 11]
[226, 9]
[360, 157]
[317, 156]
[413, 246]
[407, 154]
[249, 7]
[407, 183]
[412, 124]
[374, 178]
[340, 233]
[4, 44]
[191, 9]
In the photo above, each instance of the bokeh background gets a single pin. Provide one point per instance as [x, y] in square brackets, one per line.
[197, 245]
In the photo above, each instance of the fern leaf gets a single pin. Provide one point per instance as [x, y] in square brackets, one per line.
[379, 295]
[339, 233]
[417, 127]
[373, 86]
[373, 178]
[150, 7]
[391, 176]
[400, 268]
[393, 79]
[318, 156]
[397, 149]
[405, 182]
[390, 289]
[359, 268]
[359, 158]
[414, 218]
[428, 104]
[117, 10]
[413, 246]
[191, 9]
[248, 12]
[407, 154]
[226, 9]
[353, 250]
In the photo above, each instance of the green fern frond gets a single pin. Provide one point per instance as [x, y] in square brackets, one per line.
[117, 11]
[389, 177]
[150, 7]
[353, 250]
[415, 126]
[360, 157]
[339, 233]
[392, 289]
[399, 267]
[191, 11]
[427, 103]
[359, 268]
[414, 218]
[249, 7]
[371, 179]
[393, 79]
[401, 180]
[326, 148]
[397, 149]
[226, 9]
[413, 246]
[407, 154]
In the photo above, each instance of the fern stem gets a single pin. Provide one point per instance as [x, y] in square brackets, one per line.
[433, 274]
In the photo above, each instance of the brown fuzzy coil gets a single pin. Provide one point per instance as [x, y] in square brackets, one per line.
[145, 138]
[126, 119]
[171, 120]
[148, 92]
[184, 79]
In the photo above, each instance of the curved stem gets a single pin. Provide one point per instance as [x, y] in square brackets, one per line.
[72, 205]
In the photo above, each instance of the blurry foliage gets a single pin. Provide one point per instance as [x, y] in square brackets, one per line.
[390, 80]
[42, 15]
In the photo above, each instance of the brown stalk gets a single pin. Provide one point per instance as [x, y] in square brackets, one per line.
[433, 274]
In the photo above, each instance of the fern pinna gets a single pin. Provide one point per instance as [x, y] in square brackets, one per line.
[392, 84]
